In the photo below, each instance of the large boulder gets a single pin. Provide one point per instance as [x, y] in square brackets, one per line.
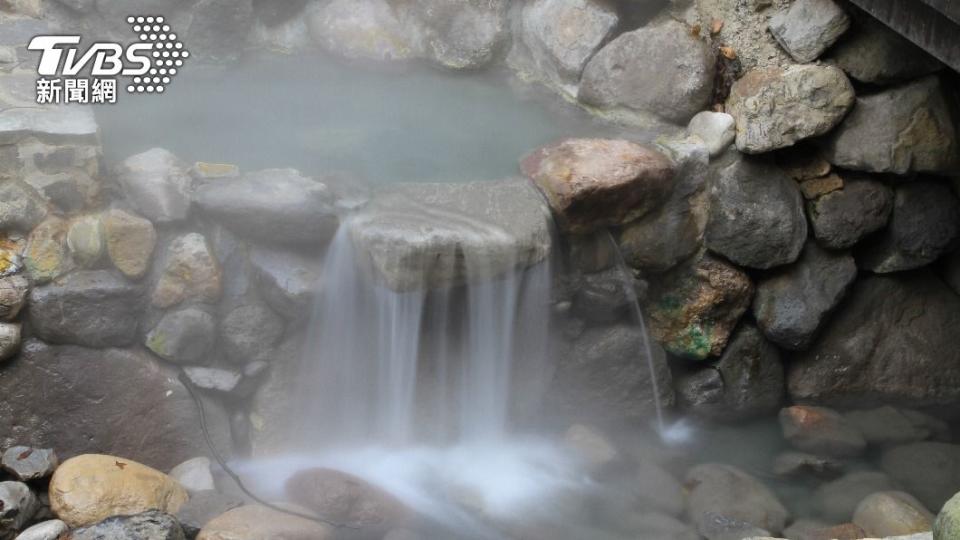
[695, 307]
[148, 525]
[732, 494]
[930, 471]
[92, 487]
[149, 415]
[258, 522]
[924, 225]
[746, 382]
[791, 305]
[605, 369]
[289, 281]
[415, 236]
[905, 129]
[156, 183]
[872, 52]
[91, 308]
[890, 343]
[774, 108]
[843, 217]
[809, 27]
[277, 206]
[594, 183]
[618, 78]
[756, 216]
[189, 271]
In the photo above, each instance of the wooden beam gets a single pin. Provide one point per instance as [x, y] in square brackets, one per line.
[934, 25]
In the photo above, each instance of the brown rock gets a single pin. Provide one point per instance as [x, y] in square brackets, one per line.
[46, 254]
[345, 499]
[815, 187]
[130, 242]
[594, 183]
[92, 487]
[190, 272]
[821, 431]
[892, 513]
[261, 523]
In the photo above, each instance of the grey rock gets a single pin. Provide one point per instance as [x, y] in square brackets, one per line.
[925, 224]
[726, 491]
[188, 271]
[218, 29]
[152, 525]
[842, 218]
[184, 336]
[13, 296]
[194, 475]
[756, 216]
[90, 308]
[21, 208]
[890, 343]
[361, 29]
[792, 305]
[836, 501]
[26, 463]
[457, 34]
[222, 381]
[273, 206]
[250, 332]
[809, 27]
[873, 53]
[605, 370]
[777, 107]
[716, 129]
[717, 527]
[202, 507]
[149, 416]
[9, 340]
[930, 471]
[46, 530]
[617, 78]
[908, 128]
[947, 524]
[157, 185]
[502, 224]
[17, 505]
[889, 425]
[602, 297]
[51, 124]
[821, 431]
[663, 239]
[747, 381]
[892, 513]
[289, 281]
[272, 423]
[793, 464]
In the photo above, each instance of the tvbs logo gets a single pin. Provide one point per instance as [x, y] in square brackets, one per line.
[149, 64]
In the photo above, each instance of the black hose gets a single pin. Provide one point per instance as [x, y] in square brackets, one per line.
[185, 380]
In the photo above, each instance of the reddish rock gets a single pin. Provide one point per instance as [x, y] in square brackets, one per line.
[821, 431]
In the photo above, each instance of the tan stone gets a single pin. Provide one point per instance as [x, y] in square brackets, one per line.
[130, 242]
[92, 487]
[204, 170]
[892, 513]
[85, 240]
[261, 523]
[46, 254]
[191, 271]
[816, 187]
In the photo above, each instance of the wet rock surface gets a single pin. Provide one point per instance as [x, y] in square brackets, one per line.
[152, 525]
[27, 464]
[840, 219]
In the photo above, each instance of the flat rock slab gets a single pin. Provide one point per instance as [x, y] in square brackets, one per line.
[417, 236]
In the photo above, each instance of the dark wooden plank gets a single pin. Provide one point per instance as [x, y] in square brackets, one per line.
[928, 23]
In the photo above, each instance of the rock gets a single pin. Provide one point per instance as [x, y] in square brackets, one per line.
[889, 425]
[93, 308]
[821, 431]
[836, 501]
[11, 261]
[157, 185]
[51, 529]
[258, 522]
[925, 224]
[817, 187]
[756, 214]
[792, 464]
[183, 337]
[92, 487]
[217, 380]
[17, 505]
[190, 271]
[605, 370]
[249, 333]
[218, 29]
[717, 527]
[202, 508]
[556, 38]
[593, 449]
[809, 28]
[194, 474]
[892, 513]
[364, 29]
[9, 340]
[458, 34]
[75, 416]
[888, 344]
[649, 488]
[873, 53]
[694, 309]
[744, 28]
[930, 471]
[662, 239]
[792, 304]
[271, 421]
[21, 208]
[13, 295]
[716, 129]
[905, 129]
[130, 242]
[726, 491]
[343, 498]
[602, 297]
[746, 382]
[289, 281]
[151, 525]
[46, 254]
[277, 206]
[27, 464]
[415, 236]
[85, 240]
[946, 526]
[842, 218]
[777, 107]
[809, 529]
[594, 183]
[618, 78]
